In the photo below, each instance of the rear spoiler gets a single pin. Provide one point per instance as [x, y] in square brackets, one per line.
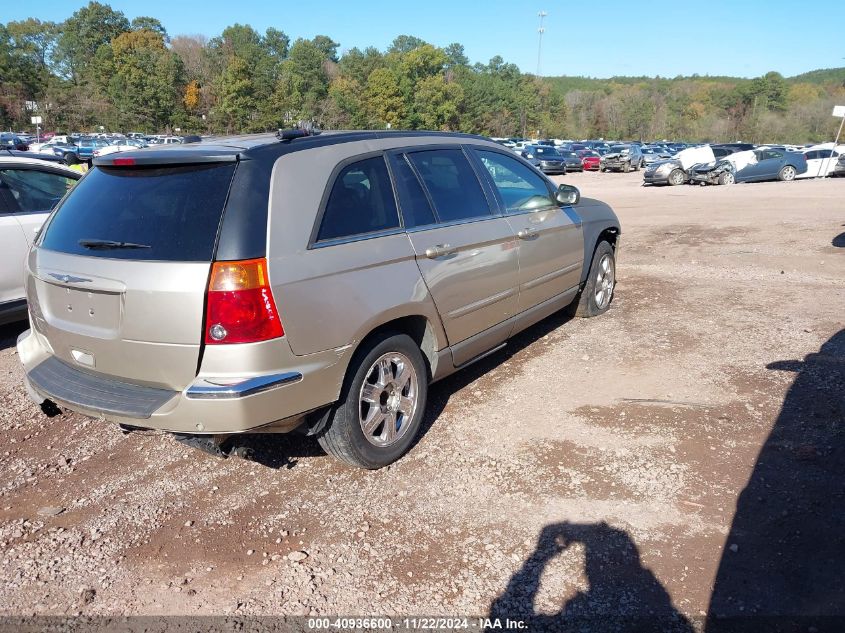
[143, 158]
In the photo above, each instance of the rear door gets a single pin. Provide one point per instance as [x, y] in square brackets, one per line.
[466, 253]
[551, 245]
[119, 276]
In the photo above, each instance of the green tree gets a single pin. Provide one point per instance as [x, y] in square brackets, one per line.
[150, 24]
[146, 80]
[83, 33]
[437, 104]
[383, 99]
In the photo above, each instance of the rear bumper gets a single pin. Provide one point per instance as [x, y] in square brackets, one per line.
[274, 401]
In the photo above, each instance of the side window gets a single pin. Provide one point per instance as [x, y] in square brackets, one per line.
[416, 210]
[361, 201]
[451, 183]
[771, 153]
[521, 188]
[31, 190]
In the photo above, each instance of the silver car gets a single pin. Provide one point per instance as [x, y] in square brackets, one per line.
[285, 282]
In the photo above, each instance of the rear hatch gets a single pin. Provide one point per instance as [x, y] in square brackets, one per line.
[118, 278]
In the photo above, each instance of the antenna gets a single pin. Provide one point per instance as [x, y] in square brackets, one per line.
[542, 15]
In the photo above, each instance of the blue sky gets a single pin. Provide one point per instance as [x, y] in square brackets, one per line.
[597, 38]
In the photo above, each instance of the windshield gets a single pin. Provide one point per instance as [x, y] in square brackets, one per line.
[544, 151]
[620, 148]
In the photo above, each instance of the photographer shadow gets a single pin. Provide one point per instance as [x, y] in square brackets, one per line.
[623, 596]
[783, 564]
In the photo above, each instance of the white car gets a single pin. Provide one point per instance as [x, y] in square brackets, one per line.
[122, 146]
[821, 160]
[29, 189]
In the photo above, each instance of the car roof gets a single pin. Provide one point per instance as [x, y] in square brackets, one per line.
[7, 160]
[225, 148]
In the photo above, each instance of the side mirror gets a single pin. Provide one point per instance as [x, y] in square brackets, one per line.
[567, 194]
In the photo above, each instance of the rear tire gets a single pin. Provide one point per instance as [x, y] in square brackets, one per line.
[596, 296]
[787, 173]
[385, 392]
[71, 159]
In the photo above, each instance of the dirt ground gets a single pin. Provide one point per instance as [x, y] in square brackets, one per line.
[596, 467]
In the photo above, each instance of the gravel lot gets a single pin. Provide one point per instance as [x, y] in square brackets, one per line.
[594, 467]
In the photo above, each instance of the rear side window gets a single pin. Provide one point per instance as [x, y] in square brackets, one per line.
[151, 213]
[451, 183]
[31, 190]
[361, 201]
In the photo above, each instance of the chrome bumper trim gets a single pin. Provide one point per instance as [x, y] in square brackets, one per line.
[207, 389]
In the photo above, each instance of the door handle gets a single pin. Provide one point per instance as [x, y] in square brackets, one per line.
[526, 234]
[439, 250]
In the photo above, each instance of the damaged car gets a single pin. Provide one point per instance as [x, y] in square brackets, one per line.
[622, 158]
[676, 170]
[763, 163]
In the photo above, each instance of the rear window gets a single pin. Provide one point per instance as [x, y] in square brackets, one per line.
[154, 214]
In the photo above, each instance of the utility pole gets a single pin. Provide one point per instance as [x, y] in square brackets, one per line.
[542, 15]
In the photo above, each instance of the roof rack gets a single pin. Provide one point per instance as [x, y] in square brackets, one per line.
[303, 128]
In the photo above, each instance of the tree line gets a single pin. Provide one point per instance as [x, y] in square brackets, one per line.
[97, 68]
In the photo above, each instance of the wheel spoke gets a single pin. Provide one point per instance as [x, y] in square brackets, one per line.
[370, 393]
[384, 373]
[403, 375]
[406, 405]
[373, 419]
[389, 432]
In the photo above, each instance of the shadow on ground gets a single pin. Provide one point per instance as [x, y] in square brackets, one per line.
[784, 559]
[9, 334]
[623, 595]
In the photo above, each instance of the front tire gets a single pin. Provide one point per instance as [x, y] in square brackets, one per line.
[381, 404]
[597, 294]
[726, 178]
[676, 177]
[787, 173]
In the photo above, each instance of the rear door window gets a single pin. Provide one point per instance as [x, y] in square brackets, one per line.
[31, 190]
[157, 213]
[361, 201]
[452, 184]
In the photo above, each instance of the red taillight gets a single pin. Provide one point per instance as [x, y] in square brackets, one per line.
[241, 308]
[123, 161]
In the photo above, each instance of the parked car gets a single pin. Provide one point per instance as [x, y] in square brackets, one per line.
[763, 163]
[571, 160]
[676, 170]
[821, 160]
[29, 189]
[546, 158]
[654, 154]
[622, 158]
[123, 145]
[203, 297]
[589, 159]
[13, 141]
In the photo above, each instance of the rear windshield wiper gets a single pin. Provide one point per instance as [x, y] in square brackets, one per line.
[109, 244]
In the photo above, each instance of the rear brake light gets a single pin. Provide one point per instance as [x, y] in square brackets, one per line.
[123, 161]
[241, 308]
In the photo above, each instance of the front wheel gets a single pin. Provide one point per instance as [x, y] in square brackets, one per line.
[381, 404]
[676, 177]
[787, 173]
[726, 178]
[597, 293]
